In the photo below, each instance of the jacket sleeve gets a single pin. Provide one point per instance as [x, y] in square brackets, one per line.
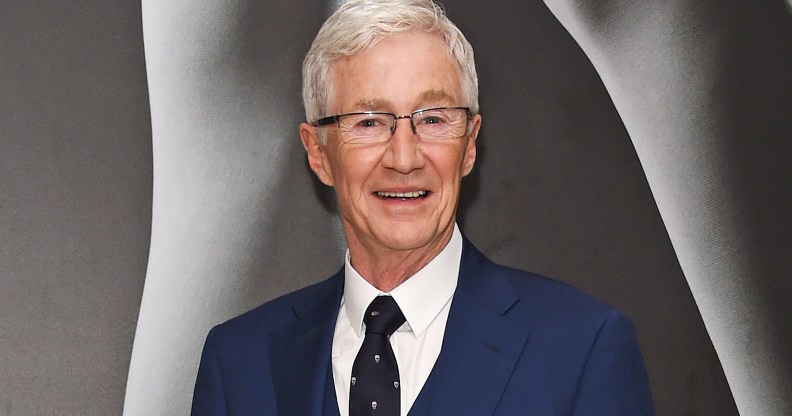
[614, 379]
[208, 396]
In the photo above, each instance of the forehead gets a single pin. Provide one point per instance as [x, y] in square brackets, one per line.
[400, 72]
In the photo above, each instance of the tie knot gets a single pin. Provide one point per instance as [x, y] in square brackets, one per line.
[383, 316]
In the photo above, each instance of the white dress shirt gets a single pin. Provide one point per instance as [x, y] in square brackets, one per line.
[424, 298]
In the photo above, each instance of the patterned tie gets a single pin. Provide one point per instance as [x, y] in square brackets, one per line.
[375, 374]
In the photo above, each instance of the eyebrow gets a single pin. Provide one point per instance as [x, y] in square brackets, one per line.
[437, 95]
[367, 104]
[377, 104]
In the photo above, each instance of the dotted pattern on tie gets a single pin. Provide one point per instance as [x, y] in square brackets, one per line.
[375, 384]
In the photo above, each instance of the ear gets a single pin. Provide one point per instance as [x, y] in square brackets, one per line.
[469, 159]
[317, 154]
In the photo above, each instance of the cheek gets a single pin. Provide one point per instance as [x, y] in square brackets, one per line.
[352, 168]
[449, 163]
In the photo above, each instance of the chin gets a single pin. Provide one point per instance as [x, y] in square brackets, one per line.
[408, 237]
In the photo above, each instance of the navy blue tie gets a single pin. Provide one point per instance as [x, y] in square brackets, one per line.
[375, 388]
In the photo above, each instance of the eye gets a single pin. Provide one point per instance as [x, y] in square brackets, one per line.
[369, 122]
[433, 118]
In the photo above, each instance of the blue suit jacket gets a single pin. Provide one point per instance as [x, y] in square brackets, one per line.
[515, 344]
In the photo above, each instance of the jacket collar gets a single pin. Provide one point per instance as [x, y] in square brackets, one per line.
[300, 351]
[481, 346]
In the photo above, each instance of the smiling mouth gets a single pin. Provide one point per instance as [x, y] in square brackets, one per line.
[402, 195]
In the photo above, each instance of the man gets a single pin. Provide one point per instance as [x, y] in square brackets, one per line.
[417, 321]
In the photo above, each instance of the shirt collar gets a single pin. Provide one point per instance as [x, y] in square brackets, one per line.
[420, 298]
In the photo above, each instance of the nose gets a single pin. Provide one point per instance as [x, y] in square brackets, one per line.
[404, 153]
[396, 123]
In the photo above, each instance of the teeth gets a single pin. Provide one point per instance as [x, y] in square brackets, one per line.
[413, 194]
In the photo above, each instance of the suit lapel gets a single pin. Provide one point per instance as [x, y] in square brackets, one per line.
[481, 346]
[300, 353]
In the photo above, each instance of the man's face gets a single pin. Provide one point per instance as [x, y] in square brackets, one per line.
[400, 74]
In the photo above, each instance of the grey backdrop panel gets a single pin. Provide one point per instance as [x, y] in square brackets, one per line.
[238, 219]
[75, 203]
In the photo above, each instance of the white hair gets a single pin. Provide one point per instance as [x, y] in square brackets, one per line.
[360, 24]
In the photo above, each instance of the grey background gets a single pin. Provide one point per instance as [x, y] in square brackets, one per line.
[75, 203]
[704, 90]
[213, 182]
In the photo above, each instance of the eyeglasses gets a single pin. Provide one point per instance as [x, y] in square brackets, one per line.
[370, 127]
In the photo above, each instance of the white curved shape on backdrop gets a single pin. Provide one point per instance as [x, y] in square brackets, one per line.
[703, 90]
[226, 154]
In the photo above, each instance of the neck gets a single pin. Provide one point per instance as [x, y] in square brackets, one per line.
[386, 268]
